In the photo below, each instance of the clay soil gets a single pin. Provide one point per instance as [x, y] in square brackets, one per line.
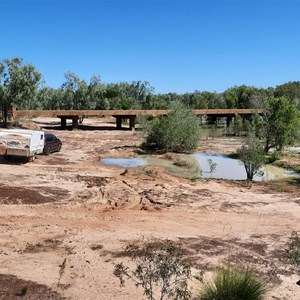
[66, 218]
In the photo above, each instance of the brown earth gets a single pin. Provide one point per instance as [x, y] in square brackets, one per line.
[65, 218]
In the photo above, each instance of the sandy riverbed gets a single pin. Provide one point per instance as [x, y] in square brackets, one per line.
[69, 209]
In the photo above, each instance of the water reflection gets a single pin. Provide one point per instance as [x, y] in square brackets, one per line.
[229, 168]
[216, 166]
[124, 162]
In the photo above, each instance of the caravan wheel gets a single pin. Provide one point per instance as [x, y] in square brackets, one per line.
[31, 158]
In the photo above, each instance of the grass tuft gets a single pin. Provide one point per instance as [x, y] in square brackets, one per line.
[234, 284]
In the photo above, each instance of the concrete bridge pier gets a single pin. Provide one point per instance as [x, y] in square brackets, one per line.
[131, 119]
[118, 122]
[212, 119]
[228, 121]
[64, 118]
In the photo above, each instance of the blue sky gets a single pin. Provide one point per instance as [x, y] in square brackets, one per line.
[177, 46]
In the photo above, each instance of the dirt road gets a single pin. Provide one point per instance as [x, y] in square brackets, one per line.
[65, 219]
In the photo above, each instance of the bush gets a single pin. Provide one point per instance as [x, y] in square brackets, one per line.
[178, 131]
[252, 156]
[234, 284]
[275, 155]
[293, 250]
[160, 270]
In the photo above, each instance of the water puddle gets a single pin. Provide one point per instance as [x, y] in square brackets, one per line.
[204, 165]
[220, 166]
[124, 162]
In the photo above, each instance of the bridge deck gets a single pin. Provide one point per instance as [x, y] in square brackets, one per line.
[75, 115]
[124, 113]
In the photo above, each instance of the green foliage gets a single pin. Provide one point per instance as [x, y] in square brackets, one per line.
[290, 90]
[21, 86]
[273, 157]
[234, 284]
[281, 124]
[160, 269]
[252, 155]
[18, 85]
[178, 131]
[293, 250]
[241, 96]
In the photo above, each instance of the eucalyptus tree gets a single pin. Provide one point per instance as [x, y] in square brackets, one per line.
[252, 156]
[18, 86]
[142, 92]
[281, 124]
[96, 93]
[290, 90]
[241, 96]
[50, 98]
[75, 92]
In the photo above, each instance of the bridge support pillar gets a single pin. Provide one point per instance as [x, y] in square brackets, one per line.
[119, 122]
[132, 122]
[63, 121]
[228, 121]
[212, 120]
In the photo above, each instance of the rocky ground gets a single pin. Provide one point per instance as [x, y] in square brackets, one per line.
[65, 218]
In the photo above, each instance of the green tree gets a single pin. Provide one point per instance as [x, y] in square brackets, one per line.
[50, 98]
[96, 93]
[160, 270]
[252, 156]
[281, 123]
[290, 90]
[18, 86]
[178, 131]
[242, 96]
[76, 93]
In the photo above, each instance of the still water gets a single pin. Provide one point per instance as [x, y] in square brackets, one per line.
[225, 167]
[124, 162]
[229, 168]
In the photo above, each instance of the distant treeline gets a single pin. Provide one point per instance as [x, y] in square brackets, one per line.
[22, 86]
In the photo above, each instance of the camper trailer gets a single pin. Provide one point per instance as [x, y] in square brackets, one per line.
[21, 142]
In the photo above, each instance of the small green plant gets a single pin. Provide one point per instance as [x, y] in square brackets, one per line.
[212, 165]
[293, 250]
[234, 284]
[160, 270]
[275, 155]
[183, 163]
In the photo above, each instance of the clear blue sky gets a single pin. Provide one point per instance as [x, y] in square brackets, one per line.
[177, 46]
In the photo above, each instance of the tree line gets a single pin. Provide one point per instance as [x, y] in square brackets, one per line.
[23, 87]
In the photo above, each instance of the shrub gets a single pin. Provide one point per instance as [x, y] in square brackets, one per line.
[178, 131]
[234, 284]
[160, 270]
[293, 250]
[252, 156]
[275, 155]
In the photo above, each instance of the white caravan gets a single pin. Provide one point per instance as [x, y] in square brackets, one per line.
[21, 142]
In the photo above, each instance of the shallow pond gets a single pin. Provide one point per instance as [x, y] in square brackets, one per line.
[216, 166]
[124, 162]
[229, 168]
